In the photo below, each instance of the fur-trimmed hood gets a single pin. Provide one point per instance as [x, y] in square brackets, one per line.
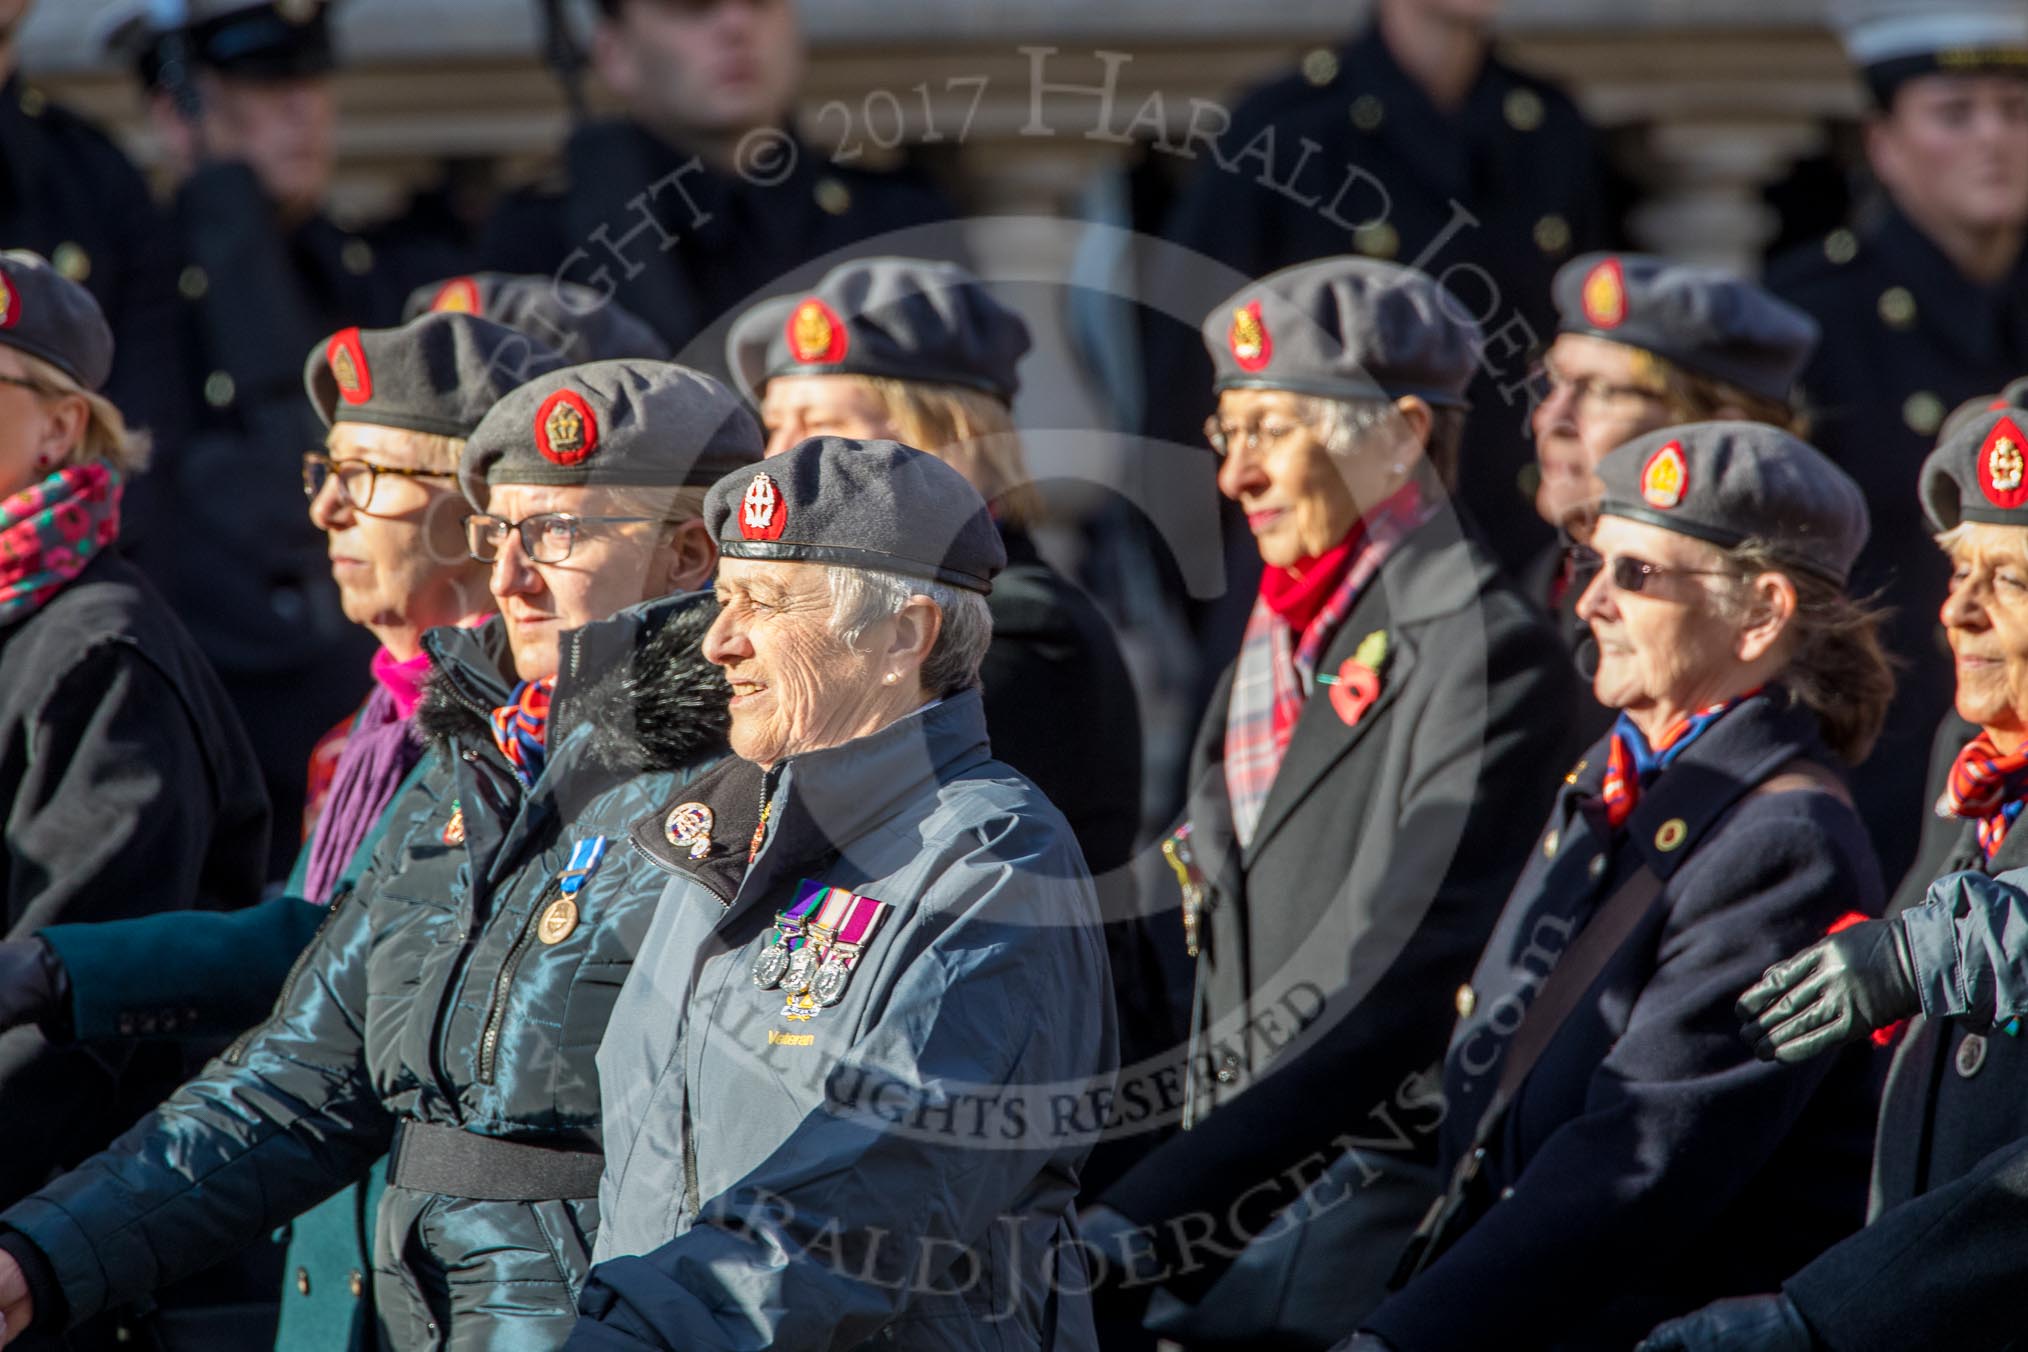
[638, 682]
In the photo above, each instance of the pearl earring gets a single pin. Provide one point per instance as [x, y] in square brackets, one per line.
[888, 679]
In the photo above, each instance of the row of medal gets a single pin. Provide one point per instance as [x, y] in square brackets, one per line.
[814, 945]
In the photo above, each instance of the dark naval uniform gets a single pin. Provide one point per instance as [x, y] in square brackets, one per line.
[1490, 200]
[68, 193]
[682, 244]
[1906, 338]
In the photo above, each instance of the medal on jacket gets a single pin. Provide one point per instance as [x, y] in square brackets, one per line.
[454, 829]
[828, 987]
[559, 918]
[786, 938]
[832, 912]
[688, 826]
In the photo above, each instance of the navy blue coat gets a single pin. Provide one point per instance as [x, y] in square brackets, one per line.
[1649, 1163]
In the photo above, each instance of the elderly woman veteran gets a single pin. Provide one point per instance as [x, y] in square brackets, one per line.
[1360, 783]
[1950, 956]
[1617, 1152]
[126, 783]
[835, 1082]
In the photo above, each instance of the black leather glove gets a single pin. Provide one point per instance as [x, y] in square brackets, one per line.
[1743, 1324]
[1836, 991]
[34, 987]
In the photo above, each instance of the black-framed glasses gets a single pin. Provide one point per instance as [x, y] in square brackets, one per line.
[356, 478]
[546, 537]
[1628, 574]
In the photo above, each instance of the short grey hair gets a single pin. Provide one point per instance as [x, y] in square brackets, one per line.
[863, 597]
[1343, 423]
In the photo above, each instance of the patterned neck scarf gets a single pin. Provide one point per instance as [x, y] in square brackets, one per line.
[1278, 663]
[521, 728]
[1987, 785]
[50, 531]
[1632, 765]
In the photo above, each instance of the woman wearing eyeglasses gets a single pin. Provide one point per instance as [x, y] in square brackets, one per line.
[1615, 1151]
[126, 783]
[1362, 792]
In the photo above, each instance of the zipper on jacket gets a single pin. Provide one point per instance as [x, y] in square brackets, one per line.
[237, 1051]
[503, 984]
[703, 880]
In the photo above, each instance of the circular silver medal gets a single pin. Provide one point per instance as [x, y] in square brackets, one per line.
[802, 966]
[770, 966]
[829, 986]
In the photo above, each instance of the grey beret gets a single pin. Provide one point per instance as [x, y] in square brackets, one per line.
[1729, 482]
[1345, 328]
[903, 318]
[47, 315]
[1896, 40]
[437, 374]
[635, 423]
[859, 504]
[582, 324]
[1979, 469]
[1703, 319]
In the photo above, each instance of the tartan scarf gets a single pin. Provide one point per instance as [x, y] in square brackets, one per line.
[521, 728]
[1277, 663]
[1987, 785]
[49, 531]
[1631, 764]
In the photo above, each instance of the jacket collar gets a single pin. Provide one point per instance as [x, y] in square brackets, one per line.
[1735, 755]
[1983, 322]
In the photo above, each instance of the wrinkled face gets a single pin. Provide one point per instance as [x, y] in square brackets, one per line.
[796, 685]
[1956, 147]
[1595, 401]
[1985, 617]
[1664, 651]
[401, 562]
[610, 567]
[1296, 494]
[37, 431]
[720, 67]
[795, 408]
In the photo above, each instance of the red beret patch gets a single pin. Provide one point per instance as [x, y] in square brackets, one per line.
[1665, 477]
[1604, 295]
[816, 335]
[347, 360]
[566, 430]
[2003, 466]
[762, 513]
[459, 295]
[1253, 347]
[10, 301]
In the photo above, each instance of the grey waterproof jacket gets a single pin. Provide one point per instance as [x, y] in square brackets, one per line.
[901, 1164]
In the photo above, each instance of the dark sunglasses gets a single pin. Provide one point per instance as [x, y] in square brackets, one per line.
[1629, 574]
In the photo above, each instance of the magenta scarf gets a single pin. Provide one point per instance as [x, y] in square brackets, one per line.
[380, 750]
[49, 531]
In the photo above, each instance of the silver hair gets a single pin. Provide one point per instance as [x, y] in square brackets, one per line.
[862, 597]
[1342, 423]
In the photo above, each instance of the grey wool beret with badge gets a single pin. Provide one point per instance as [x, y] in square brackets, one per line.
[899, 318]
[1979, 469]
[1729, 482]
[632, 423]
[859, 504]
[438, 374]
[582, 324]
[46, 315]
[1346, 328]
[1702, 319]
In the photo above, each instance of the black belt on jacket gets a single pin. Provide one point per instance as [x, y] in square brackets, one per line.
[454, 1162]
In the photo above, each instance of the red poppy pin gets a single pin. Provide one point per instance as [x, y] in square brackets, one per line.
[1357, 684]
